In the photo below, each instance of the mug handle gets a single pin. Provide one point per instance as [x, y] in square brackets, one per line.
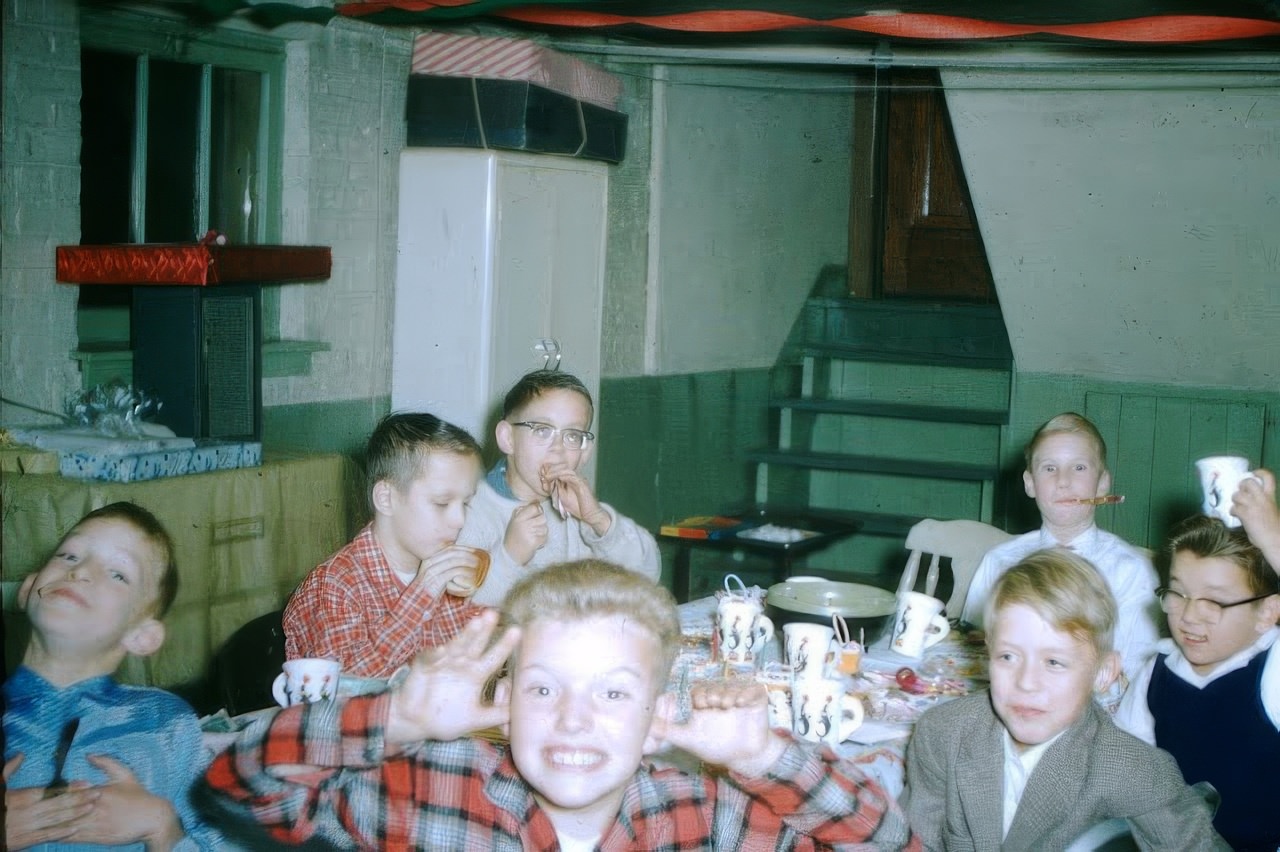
[764, 626]
[943, 627]
[278, 689]
[853, 715]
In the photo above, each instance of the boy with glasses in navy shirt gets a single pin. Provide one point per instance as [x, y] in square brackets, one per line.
[1211, 696]
[534, 509]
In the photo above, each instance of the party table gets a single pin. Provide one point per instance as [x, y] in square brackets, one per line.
[955, 666]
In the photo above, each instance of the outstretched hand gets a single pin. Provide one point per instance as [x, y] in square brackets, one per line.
[1255, 505]
[442, 696]
[728, 726]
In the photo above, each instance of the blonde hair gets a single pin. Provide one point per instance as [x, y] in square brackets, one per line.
[593, 588]
[1065, 590]
[1068, 423]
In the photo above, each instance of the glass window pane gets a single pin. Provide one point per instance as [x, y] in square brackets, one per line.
[107, 108]
[235, 172]
[173, 112]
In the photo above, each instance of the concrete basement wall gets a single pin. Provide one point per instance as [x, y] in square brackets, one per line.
[1131, 220]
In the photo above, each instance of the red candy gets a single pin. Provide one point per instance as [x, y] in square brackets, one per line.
[911, 682]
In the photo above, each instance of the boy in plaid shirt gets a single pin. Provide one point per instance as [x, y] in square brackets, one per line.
[590, 646]
[380, 599]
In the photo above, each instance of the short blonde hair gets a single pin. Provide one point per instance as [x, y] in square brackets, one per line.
[1065, 590]
[593, 588]
[1067, 423]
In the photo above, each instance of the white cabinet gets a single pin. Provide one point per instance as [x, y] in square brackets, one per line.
[500, 262]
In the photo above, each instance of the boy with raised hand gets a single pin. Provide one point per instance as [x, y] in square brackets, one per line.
[590, 647]
[381, 598]
[128, 754]
[1035, 762]
[534, 509]
[1211, 694]
[1066, 470]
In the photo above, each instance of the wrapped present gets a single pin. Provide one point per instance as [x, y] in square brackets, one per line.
[196, 264]
[203, 457]
[449, 55]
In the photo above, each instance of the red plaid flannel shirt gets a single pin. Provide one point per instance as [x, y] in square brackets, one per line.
[467, 794]
[354, 609]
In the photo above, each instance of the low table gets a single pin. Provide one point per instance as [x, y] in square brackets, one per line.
[825, 531]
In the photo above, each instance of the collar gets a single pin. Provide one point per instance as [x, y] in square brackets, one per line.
[497, 479]
[1178, 664]
[26, 686]
[1082, 543]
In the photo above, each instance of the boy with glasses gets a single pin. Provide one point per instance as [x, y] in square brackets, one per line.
[1211, 696]
[534, 509]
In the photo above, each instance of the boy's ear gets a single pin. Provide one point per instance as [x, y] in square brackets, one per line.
[1108, 671]
[1028, 484]
[382, 497]
[24, 591]
[502, 432]
[144, 638]
[1104, 483]
[1269, 614]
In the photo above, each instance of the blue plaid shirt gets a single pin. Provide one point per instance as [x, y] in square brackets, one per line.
[153, 732]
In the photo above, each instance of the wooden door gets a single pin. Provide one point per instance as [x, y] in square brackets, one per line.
[932, 246]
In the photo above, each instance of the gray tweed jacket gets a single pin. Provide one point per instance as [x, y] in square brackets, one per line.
[955, 785]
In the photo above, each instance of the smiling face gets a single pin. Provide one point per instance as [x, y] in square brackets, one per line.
[1205, 644]
[1042, 678]
[582, 700]
[96, 593]
[427, 515]
[1065, 468]
[560, 408]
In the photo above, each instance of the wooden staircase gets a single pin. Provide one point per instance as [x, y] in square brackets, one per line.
[885, 412]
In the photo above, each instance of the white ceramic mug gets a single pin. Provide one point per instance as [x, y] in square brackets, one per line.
[743, 629]
[807, 646]
[918, 624]
[306, 680]
[1220, 476]
[776, 678]
[822, 712]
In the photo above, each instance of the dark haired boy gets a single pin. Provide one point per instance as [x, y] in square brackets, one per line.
[128, 754]
[380, 599]
[534, 509]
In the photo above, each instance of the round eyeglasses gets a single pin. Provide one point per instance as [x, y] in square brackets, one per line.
[544, 433]
[1175, 602]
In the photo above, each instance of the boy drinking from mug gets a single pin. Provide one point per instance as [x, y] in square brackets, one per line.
[89, 761]
[1211, 695]
[589, 647]
[1067, 470]
[534, 509]
[1035, 762]
[382, 598]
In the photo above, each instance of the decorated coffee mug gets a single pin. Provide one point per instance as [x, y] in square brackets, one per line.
[807, 646]
[918, 624]
[305, 681]
[742, 628]
[822, 712]
[1220, 476]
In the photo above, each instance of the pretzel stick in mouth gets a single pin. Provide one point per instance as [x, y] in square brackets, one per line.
[1105, 500]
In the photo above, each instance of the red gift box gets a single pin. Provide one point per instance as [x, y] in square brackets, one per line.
[193, 264]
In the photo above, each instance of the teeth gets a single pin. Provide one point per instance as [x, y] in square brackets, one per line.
[574, 758]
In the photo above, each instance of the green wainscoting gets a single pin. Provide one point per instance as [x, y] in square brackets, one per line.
[324, 427]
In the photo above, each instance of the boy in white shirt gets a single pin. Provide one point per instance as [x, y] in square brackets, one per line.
[1066, 469]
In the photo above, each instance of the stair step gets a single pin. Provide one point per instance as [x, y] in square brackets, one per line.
[887, 354]
[966, 471]
[897, 410]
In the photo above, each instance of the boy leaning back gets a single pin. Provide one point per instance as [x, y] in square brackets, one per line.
[134, 751]
[1036, 762]
[380, 599]
[1211, 695]
[534, 509]
[1066, 467]
[590, 647]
